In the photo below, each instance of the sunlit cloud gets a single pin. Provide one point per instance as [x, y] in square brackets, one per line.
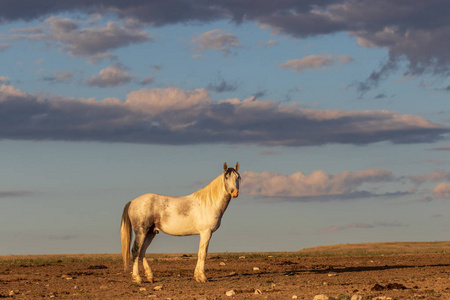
[316, 62]
[317, 185]
[110, 77]
[93, 43]
[431, 177]
[442, 190]
[175, 116]
[216, 39]
[443, 148]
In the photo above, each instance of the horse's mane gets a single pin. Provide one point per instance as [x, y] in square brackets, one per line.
[210, 193]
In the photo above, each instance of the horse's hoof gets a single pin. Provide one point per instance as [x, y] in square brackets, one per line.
[137, 279]
[201, 278]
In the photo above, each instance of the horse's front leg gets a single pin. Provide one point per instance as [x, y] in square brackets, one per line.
[199, 273]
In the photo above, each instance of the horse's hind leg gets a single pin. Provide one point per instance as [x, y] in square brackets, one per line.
[148, 239]
[137, 249]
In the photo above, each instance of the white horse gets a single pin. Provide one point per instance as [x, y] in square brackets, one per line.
[199, 213]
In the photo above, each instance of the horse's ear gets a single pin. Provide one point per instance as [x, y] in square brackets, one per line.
[225, 166]
[237, 167]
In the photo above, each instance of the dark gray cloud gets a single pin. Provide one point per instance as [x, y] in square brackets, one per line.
[63, 236]
[414, 32]
[359, 225]
[13, 193]
[58, 76]
[174, 116]
[223, 86]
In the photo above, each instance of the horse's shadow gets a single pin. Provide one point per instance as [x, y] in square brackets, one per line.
[330, 269]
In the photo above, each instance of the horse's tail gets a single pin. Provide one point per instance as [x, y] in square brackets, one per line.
[125, 236]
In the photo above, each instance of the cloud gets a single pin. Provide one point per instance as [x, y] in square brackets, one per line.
[91, 43]
[62, 237]
[430, 177]
[442, 190]
[268, 44]
[216, 40]
[443, 148]
[223, 86]
[417, 33]
[4, 79]
[147, 80]
[4, 46]
[175, 116]
[110, 77]
[316, 62]
[357, 225]
[318, 184]
[11, 193]
[59, 76]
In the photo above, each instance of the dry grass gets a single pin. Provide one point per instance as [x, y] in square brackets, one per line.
[362, 249]
[378, 248]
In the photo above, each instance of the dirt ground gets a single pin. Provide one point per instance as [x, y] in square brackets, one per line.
[293, 275]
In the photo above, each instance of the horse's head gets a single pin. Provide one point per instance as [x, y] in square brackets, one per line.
[231, 179]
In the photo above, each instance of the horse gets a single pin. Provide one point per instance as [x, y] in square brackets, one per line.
[197, 214]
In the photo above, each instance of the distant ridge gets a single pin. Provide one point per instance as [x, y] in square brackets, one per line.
[379, 248]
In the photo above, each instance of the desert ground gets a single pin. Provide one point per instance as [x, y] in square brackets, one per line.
[352, 271]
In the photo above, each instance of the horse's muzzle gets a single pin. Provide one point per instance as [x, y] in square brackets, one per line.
[235, 193]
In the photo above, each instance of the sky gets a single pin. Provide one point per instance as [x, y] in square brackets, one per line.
[336, 110]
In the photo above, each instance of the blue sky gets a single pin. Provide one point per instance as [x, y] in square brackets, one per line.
[337, 113]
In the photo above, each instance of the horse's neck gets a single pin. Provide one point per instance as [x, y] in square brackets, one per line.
[214, 194]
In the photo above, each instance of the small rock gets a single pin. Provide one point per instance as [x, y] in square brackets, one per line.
[332, 274]
[13, 292]
[222, 263]
[232, 273]
[158, 288]
[255, 269]
[241, 257]
[356, 297]
[294, 297]
[320, 297]
[258, 292]
[103, 287]
[273, 285]
[142, 289]
[230, 293]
